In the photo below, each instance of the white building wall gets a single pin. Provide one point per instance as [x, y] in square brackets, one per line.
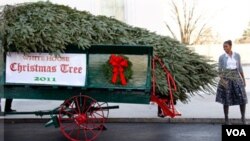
[213, 51]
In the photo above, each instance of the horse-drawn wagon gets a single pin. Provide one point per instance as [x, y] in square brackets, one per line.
[87, 80]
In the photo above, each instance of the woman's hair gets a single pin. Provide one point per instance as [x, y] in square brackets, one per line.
[229, 42]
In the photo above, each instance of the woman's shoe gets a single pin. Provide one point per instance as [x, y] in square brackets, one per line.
[227, 122]
[161, 115]
[243, 121]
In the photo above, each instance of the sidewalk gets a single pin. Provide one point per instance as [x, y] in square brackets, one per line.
[199, 109]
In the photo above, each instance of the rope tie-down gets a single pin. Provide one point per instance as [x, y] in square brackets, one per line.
[167, 105]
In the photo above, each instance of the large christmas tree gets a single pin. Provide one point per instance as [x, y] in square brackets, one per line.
[43, 26]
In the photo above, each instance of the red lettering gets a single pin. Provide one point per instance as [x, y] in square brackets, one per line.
[80, 70]
[33, 58]
[12, 67]
[25, 67]
[67, 59]
[53, 69]
[60, 59]
[31, 68]
[65, 68]
[25, 57]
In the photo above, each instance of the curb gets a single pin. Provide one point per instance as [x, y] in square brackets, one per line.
[134, 120]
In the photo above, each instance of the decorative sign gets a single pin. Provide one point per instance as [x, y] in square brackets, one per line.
[42, 68]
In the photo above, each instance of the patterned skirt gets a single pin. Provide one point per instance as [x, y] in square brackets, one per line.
[231, 89]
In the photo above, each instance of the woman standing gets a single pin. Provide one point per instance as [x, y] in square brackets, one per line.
[231, 87]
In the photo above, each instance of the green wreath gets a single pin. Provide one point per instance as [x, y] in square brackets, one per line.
[118, 69]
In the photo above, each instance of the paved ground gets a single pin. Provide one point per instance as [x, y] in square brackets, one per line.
[199, 108]
[1, 130]
[119, 131]
[202, 108]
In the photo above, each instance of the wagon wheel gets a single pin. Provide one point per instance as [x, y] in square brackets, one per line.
[105, 109]
[81, 118]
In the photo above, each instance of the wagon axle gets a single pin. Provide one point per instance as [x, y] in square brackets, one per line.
[80, 119]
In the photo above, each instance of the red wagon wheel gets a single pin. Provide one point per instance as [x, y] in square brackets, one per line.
[81, 118]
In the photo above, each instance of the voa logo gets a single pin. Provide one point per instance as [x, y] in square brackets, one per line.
[236, 132]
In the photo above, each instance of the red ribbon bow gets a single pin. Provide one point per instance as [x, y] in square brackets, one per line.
[118, 63]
